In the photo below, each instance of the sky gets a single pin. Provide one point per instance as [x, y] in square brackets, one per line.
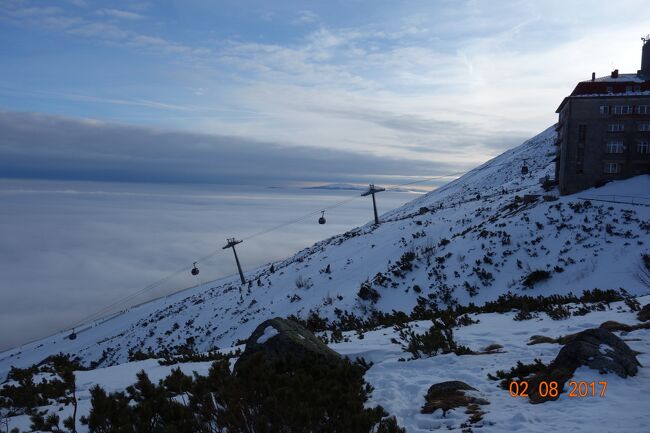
[171, 97]
[446, 82]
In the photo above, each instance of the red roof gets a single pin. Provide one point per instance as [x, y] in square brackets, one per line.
[630, 84]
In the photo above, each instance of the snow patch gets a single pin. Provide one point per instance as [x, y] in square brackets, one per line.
[605, 349]
[269, 333]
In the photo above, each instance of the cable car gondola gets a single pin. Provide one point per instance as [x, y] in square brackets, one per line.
[72, 336]
[195, 270]
[524, 169]
[321, 220]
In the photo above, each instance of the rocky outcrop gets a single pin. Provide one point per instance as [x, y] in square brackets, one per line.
[452, 394]
[278, 339]
[601, 350]
[595, 348]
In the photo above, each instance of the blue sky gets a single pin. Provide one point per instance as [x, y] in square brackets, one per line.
[446, 82]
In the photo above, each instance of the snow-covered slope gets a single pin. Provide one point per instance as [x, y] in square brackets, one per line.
[468, 241]
[400, 387]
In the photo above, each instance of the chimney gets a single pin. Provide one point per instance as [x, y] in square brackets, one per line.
[593, 76]
[615, 73]
[645, 58]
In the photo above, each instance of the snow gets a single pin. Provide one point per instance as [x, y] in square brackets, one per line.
[269, 333]
[635, 78]
[112, 379]
[605, 349]
[614, 95]
[400, 386]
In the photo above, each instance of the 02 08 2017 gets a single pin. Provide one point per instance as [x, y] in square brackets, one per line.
[581, 389]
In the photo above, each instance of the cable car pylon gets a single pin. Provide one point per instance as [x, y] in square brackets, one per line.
[372, 190]
[231, 242]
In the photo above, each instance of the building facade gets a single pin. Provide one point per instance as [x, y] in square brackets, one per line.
[603, 131]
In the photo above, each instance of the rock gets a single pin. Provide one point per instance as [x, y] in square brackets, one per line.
[493, 348]
[540, 339]
[644, 314]
[278, 339]
[596, 348]
[453, 394]
[612, 325]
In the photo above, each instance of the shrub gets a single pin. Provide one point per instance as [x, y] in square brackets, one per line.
[288, 395]
[368, 293]
[535, 277]
[520, 372]
[547, 183]
[439, 339]
[27, 393]
[559, 312]
[303, 283]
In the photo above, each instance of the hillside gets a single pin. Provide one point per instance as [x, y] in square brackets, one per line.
[469, 241]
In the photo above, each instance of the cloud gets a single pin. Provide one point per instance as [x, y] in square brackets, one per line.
[120, 14]
[452, 83]
[57, 19]
[44, 147]
[70, 248]
[305, 17]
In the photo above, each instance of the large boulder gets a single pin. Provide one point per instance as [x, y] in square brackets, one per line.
[595, 348]
[644, 314]
[279, 339]
[452, 394]
[601, 350]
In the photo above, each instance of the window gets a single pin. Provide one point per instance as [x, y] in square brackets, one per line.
[644, 127]
[580, 159]
[643, 109]
[643, 147]
[604, 109]
[610, 89]
[615, 146]
[582, 133]
[637, 88]
[612, 167]
[616, 127]
[622, 109]
[629, 88]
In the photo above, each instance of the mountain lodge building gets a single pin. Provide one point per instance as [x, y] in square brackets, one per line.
[603, 131]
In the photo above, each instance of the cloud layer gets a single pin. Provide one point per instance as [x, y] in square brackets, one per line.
[45, 147]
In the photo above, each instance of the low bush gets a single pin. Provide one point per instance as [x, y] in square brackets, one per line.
[439, 339]
[289, 395]
[520, 372]
[368, 293]
[536, 277]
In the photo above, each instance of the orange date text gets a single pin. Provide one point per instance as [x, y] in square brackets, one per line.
[550, 389]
